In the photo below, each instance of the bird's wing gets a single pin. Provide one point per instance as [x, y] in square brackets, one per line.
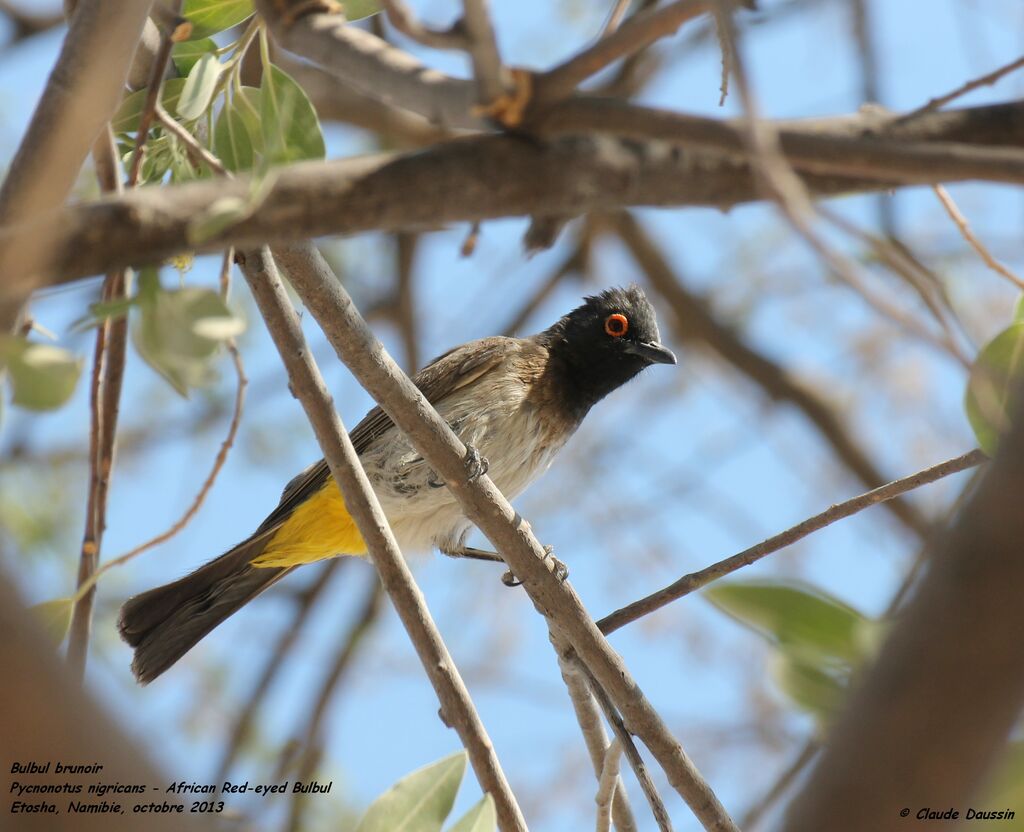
[440, 378]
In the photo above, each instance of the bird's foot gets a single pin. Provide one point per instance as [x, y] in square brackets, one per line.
[560, 570]
[476, 467]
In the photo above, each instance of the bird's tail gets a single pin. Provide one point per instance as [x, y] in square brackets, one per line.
[163, 624]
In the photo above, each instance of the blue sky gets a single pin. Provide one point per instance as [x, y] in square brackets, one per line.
[709, 466]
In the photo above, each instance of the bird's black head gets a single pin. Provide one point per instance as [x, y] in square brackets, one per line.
[602, 344]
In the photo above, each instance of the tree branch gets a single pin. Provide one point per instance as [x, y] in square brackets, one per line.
[81, 93]
[308, 385]
[696, 580]
[485, 506]
[481, 178]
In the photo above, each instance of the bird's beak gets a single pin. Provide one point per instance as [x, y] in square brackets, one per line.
[652, 351]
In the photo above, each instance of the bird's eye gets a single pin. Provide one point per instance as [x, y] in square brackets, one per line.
[616, 325]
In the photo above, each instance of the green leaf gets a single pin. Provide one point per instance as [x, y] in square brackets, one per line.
[797, 617]
[102, 311]
[237, 135]
[42, 376]
[995, 376]
[358, 9]
[810, 686]
[186, 53]
[420, 801]
[1018, 310]
[481, 818]
[1005, 788]
[291, 129]
[55, 618]
[179, 331]
[199, 87]
[211, 16]
[128, 115]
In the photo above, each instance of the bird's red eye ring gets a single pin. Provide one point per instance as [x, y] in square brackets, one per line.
[616, 325]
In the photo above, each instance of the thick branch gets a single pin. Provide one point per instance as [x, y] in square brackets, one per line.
[83, 90]
[485, 506]
[481, 178]
[925, 725]
[308, 385]
[373, 66]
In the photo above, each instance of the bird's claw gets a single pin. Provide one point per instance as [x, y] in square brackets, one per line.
[476, 467]
[560, 570]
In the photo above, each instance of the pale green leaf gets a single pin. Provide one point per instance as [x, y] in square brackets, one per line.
[237, 135]
[42, 376]
[291, 129]
[167, 333]
[795, 616]
[994, 378]
[419, 802]
[199, 87]
[126, 119]
[211, 16]
[809, 686]
[55, 618]
[219, 328]
[186, 53]
[358, 9]
[481, 818]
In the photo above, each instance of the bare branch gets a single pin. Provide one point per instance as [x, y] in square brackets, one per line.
[372, 66]
[484, 505]
[607, 786]
[639, 31]
[82, 92]
[983, 81]
[483, 51]
[589, 719]
[695, 580]
[402, 18]
[306, 381]
[979, 247]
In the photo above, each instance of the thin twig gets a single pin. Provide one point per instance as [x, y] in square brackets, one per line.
[192, 145]
[781, 183]
[589, 719]
[405, 21]
[778, 788]
[639, 31]
[625, 739]
[696, 580]
[615, 17]
[983, 81]
[972, 240]
[156, 82]
[308, 385]
[483, 50]
[344, 656]
[607, 785]
[898, 258]
[104, 406]
[200, 498]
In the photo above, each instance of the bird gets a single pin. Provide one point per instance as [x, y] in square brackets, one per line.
[514, 402]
